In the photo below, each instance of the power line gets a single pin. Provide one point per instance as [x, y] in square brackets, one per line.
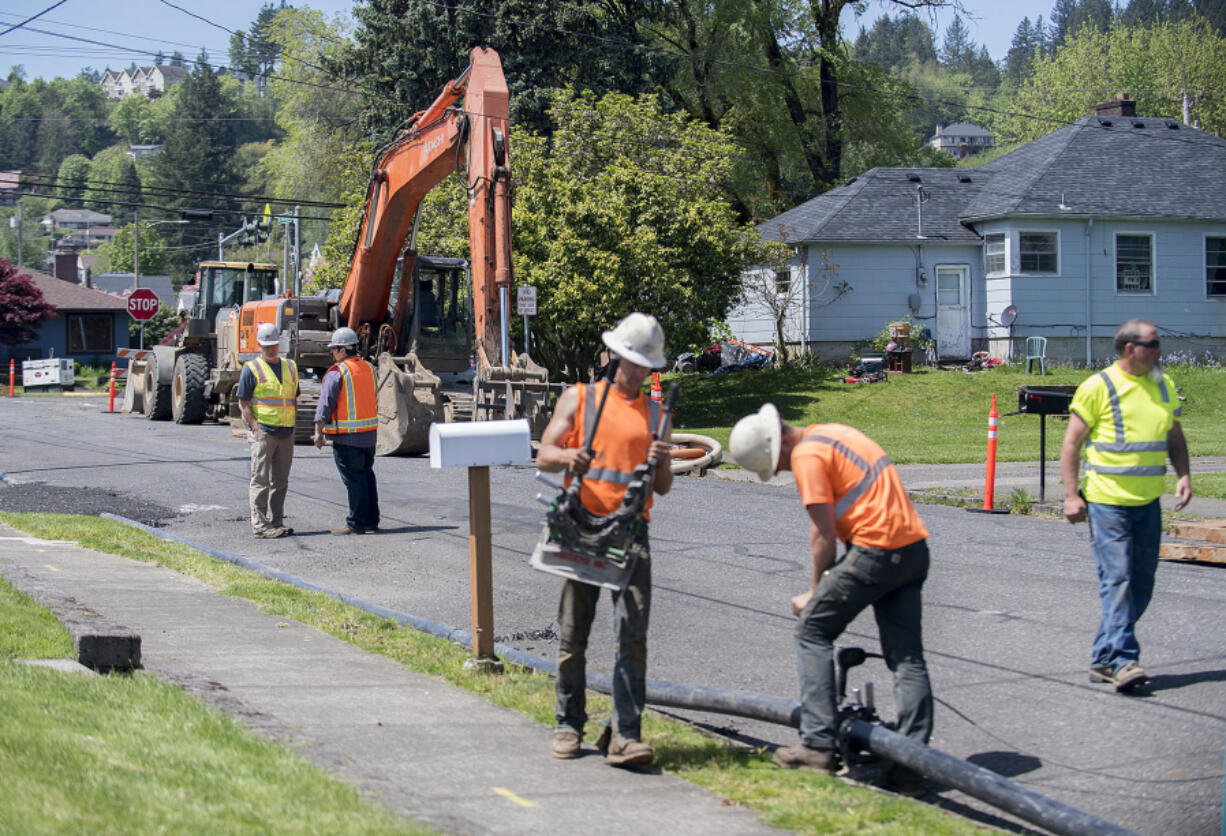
[51, 180]
[32, 17]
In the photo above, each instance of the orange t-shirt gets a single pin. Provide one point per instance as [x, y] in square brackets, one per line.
[622, 440]
[840, 465]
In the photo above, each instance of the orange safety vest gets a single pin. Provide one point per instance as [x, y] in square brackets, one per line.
[272, 401]
[621, 443]
[356, 405]
[841, 466]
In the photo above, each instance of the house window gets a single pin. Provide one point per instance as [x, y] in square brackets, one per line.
[1038, 252]
[90, 333]
[1134, 260]
[1215, 266]
[994, 256]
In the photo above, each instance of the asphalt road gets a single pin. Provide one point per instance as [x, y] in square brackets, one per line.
[1010, 605]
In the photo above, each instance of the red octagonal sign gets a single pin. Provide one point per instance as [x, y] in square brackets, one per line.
[143, 304]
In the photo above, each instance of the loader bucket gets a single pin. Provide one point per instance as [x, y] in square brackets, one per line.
[519, 390]
[410, 400]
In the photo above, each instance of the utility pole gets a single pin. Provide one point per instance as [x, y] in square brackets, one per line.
[135, 249]
[21, 227]
[297, 250]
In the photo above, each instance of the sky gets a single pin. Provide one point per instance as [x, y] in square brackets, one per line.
[135, 30]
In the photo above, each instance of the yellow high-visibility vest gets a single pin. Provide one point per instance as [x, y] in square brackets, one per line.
[1126, 451]
[273, 400]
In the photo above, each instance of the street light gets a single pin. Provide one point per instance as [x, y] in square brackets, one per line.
[136, 243]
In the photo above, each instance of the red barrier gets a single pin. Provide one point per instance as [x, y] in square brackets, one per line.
[110, 401]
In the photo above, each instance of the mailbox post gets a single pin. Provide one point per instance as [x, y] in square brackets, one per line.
[477, 446]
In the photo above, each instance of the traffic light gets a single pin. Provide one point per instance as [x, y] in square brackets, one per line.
[262, 227]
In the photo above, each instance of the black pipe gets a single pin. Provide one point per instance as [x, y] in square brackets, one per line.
[973, 780]
[976, 781]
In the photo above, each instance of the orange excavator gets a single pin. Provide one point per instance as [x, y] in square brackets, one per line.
[426, 328]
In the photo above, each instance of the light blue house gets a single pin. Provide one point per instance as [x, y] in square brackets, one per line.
[1109, 218]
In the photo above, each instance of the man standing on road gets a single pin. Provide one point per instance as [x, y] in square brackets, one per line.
[267, 398]
[348, 414]
[852, 492]
[622, 442]
[1126, 418]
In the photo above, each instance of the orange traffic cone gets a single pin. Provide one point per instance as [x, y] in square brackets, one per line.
[657, 394]
[989, 476]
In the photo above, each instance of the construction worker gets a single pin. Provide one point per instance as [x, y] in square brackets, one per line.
[347, 413]
[852, 492]
[1126, 418]
[267, 398]
[623, 440]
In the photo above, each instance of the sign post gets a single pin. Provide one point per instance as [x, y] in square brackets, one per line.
[525, 306]
[143, 305]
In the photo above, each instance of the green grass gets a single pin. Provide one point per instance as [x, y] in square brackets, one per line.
[804, 802]
[133, 754]
[929, 416]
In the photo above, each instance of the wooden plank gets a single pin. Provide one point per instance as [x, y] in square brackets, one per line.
[1207, 531]
[1200, 552]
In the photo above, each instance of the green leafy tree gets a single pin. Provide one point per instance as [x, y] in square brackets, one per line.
[22, 306]
[116, 257]
[70, 182]
[112, 181]
[33, 245]
[163, 322]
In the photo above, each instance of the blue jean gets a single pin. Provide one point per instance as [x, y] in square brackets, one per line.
[357, 469]
[890, 582]
[631, 611]
[1125, 540]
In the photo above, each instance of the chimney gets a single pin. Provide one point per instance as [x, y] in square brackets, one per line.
[1118, 105]
[66, 267]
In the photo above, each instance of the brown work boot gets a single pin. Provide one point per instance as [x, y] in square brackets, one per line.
[1102, 673]
[802, 757]
[1129, 677]
[566, 744]
[625, 752]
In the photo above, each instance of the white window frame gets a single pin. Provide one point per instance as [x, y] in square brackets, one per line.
[1021, 253]
[1221, 237]
[989, 273]
[1153, 261]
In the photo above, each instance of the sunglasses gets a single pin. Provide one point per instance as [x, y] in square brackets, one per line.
[1146, 343]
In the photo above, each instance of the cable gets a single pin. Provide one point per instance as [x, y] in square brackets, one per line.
[32, 17]
[49, 181]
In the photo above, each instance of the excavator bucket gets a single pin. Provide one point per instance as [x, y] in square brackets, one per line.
[410, 399]
[519, 390]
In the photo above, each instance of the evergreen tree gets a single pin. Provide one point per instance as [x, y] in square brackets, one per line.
[1069, 16]
[958, 50]
[1213, 11]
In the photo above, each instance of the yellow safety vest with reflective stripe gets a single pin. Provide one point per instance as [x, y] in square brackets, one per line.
[356, 403]
[1129, 419]
[272, 401]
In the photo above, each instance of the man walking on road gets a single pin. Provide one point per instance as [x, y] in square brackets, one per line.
[348, 414]
[622, 442]
[267, 398]
[1126, 418]
[852, 492]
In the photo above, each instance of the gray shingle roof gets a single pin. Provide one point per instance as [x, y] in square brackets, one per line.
[1109, 166]
[965, 129]
[65, 296]
[879, 205]
[1131, 167]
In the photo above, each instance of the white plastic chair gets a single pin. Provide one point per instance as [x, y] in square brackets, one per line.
[1036, 349]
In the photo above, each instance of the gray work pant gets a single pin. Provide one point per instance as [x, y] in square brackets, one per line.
[271, 458]
[890, 582]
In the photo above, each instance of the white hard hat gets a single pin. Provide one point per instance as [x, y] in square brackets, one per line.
[755, 442]
[639, 339]
[268, 334]
[344, 337]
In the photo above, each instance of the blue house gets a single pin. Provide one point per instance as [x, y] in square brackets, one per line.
[1111, 217]
[90, 325]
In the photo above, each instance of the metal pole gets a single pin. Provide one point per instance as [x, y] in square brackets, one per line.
[1042, 457]
[504, 307]
[136, 255]
[221, 248]
[527, 350]
[297, 251]
[20, 234]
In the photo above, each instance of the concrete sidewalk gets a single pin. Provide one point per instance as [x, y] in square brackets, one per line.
[424, 748]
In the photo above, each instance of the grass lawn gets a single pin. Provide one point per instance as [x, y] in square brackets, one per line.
[929, 416]
[133, 754]
[802, 802]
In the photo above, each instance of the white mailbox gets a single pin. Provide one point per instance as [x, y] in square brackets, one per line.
[480, 443]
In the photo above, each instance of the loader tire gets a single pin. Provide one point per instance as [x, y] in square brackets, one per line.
[157, 398]
[187, 404]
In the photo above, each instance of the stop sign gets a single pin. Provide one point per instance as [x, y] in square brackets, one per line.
[143, 304]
